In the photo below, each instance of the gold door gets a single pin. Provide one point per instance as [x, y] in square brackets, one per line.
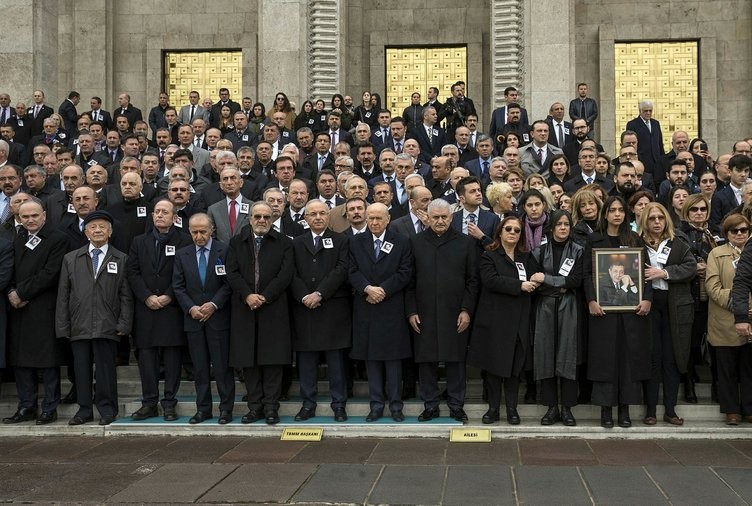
[204, 72]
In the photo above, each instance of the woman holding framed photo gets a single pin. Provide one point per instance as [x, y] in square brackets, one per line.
[619, 341]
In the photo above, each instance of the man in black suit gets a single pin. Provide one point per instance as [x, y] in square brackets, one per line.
[336, 133]
[128, 110]
[500, 117]
[441, 169]
[455, 110]
[725, 200]
[224, 99]
[680, 144]
[158, 321]
[17, 153]
[33, 348]
[380, 271]
[471, 219]
[320, 159]
[572, 147]
[38, 112]
[416, 218]
[560, 131]
[201, 288]
[586, 161]
[445, 264]
[322, 310]
[241, 136]
[84, 201]
[381, 135]
[260, 268]
[649, 140]
[67, 111]
[431, 138]
[326, 186]
[98, 114]
[433, 99]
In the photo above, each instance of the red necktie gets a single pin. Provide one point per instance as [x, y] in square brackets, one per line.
[233, 217]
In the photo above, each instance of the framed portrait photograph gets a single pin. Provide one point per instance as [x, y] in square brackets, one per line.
[618, 278]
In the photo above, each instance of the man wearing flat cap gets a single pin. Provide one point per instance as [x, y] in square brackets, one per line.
[94, 310]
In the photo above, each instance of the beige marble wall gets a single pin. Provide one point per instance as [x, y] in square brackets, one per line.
[17, 49]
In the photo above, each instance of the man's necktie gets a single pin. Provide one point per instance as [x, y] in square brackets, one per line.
[317, 243]
[36, 111]
[321, 161]
[256, 263]
[6, 209]
[377, 248]
[540, 156]
[647, 124]
[233, 217]
[389, 179]
[485, 169]
[589, 180]
[561, 135]
[398, 148]
[329, 204]
[113, 155]
[193, 111]
[582, 110]
[296, 217]
[95, 259]
[333, 138]
[471, 218]
[419, 227]
[202, 266]
[2, 116]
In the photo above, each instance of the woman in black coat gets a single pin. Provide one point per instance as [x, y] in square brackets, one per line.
[619, 344]
[670, 268]
[501, 340]
[557, 314]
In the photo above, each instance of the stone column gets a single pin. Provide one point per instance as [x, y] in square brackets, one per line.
[92, 43]
[550, 46]
[281, 60]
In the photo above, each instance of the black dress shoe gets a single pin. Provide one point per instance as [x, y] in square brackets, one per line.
[251, 417]
[272, 418]
[106, 420]
[305, 414]
[374, 415]
[458, 414]
[552, 416]
[200, 417]
[567, 417]
[607, 418]
[170, 415]
[80, 420]
[398, 416]
[225, 417]
[70, 397]
[491, 416]
[22, 415]
[145, 412]
[429, 414]
[512, 416]
[340, 415]
[624, 420]
[47, 417]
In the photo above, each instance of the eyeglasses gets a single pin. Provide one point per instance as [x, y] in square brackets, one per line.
[512, 230]
[695, 209]
[178, 189]
[262, 217]
[740, 230]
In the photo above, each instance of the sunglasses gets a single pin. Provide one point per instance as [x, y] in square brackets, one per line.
[695, 209]
[262, 217]
[741, 230]
[510, 230]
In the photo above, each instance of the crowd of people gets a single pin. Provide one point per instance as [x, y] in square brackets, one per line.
[236, 241]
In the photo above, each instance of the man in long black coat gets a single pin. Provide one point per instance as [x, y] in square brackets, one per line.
[260, 267]
[440, 302]
[32, 344]
[158, 322]
[322, 309]
[380, 270]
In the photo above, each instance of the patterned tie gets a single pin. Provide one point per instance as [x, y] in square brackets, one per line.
[377, 248]
[233, 217]
[2, 116]
[6, 209]
[589, 180]
[296, 217]
[95, 260]
[389, 179]
[561, 135]
[333, 137]
[419, 227]
[36, 111]
[256, 263]
[485, 169]
[398, 148]
[329, 204]
[202, 265]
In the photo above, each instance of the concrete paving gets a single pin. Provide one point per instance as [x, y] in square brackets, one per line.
[181, 470]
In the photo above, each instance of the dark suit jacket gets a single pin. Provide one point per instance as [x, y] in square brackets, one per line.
[567, 131]
[724, 201]
[103, 117]
[343, 136]
[244, 138]
[487, 222]
[577, 182]
[474, 167]
[69, 114]
[649, 146]
[403, 225]
[132, 113]
[497, 121]
[429, 147]
[18, 155]
[36, 123]
[310, 166]
[189, 292]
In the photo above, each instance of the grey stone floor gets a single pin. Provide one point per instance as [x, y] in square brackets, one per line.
[181, 470]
